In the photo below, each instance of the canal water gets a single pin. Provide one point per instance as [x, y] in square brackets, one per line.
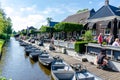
[14, 64]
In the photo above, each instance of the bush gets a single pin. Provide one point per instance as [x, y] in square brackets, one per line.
[4, 36]
[88, 36]
[80, 46]
[1, 44]
[4, 78]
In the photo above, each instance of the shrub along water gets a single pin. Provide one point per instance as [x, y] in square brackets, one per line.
[1, 44]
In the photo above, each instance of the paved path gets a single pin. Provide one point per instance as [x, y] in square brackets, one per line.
[105, 75]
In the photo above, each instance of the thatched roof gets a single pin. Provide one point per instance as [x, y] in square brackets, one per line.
[79, 18]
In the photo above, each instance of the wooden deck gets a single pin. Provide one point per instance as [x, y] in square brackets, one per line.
[104, 74]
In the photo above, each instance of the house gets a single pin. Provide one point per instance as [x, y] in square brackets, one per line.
[80, 18]
[52, 23]
[106, 20]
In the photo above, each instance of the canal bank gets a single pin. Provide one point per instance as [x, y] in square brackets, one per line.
[2, 42]
[14, 64]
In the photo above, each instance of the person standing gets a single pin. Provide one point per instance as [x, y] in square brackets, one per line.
[100, 39]
[110, 39]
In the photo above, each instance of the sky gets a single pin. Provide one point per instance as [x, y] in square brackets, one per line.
[26, 13]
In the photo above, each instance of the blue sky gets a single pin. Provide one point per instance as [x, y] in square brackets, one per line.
[34, 12]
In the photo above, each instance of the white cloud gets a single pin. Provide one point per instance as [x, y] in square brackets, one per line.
[9, 10]
[50, 10]
[30, 16]
[30, 20]
[28, 8]
[90, 2]
[21, 22]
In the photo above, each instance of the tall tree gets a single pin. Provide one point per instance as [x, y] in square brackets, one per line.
[5, 23]
[49, 19]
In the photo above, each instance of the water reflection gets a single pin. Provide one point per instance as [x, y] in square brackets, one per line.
[44, 69]
[14, 64]
[31, 61]
[25, 56]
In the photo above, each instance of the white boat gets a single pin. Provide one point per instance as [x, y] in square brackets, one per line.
[60, 70]
[83, 74]
[45, 59]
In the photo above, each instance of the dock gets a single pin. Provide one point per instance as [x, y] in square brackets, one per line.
[104, 74]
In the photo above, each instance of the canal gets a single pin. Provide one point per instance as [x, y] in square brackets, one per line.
[14, 64]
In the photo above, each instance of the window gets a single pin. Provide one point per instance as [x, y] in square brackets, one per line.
[107, 31]
[93, 32]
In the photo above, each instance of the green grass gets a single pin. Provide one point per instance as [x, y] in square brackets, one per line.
[1, 44]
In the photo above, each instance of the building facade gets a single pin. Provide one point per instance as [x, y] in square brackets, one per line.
[106, 20]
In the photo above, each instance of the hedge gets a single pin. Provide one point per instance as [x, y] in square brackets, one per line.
[68, 27]
[80, 46]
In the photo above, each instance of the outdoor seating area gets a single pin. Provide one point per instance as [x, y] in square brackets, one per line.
[112, 53]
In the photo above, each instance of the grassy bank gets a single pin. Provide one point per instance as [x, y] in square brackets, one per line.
[1, 44]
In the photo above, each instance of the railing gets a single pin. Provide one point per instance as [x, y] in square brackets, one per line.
[112, 52]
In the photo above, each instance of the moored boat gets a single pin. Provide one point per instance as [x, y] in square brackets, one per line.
[83, 74]
[45, 58]
[30, 50]
[34, 55]
[60, 70]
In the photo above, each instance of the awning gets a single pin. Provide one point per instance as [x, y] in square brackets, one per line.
[92, 25]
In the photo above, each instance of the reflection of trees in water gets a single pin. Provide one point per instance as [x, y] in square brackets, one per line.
[44, 69]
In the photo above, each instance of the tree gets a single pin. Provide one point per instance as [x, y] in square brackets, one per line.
[5, 24]
[8, 26]
[46, 29]
[79, 11]
[68, 27]
[49, 19]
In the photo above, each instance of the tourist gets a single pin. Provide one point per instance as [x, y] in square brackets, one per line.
[100, 39]
[51, 47]
[116, 42]
[52, 40]
[110, 39]
[102, 59]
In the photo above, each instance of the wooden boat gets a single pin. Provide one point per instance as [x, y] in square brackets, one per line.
[45, 59]
[60, 70]
[83, 74]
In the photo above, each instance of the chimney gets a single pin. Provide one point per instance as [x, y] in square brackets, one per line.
[106, 2]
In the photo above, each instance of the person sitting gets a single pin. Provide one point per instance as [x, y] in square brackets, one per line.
[116, 42]
[51, 47]
[102, 59]
[41, 43]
